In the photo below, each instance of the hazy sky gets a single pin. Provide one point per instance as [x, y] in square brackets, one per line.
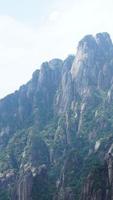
[33, 31]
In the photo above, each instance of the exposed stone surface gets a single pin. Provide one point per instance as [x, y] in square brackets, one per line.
[56, 132]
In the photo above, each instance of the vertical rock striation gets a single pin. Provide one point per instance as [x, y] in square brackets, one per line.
[56, 132]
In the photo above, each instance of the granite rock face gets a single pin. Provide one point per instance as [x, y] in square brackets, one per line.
[56, 132]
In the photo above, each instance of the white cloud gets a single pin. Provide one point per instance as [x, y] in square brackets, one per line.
[54, 16]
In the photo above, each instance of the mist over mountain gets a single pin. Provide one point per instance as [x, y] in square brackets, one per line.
[56, 132]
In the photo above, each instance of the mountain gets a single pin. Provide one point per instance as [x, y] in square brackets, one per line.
[56, 132]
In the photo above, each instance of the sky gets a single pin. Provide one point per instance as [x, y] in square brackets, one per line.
[34, 31]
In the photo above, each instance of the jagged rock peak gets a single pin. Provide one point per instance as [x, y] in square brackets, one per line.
[52, 64]
[87, 42]
[91, 52]
[68, 63]
[55, 63]
[101, 39]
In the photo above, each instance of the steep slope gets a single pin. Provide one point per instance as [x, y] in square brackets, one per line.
[56, 132]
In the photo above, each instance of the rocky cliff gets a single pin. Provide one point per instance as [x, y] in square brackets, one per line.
[56, 132]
